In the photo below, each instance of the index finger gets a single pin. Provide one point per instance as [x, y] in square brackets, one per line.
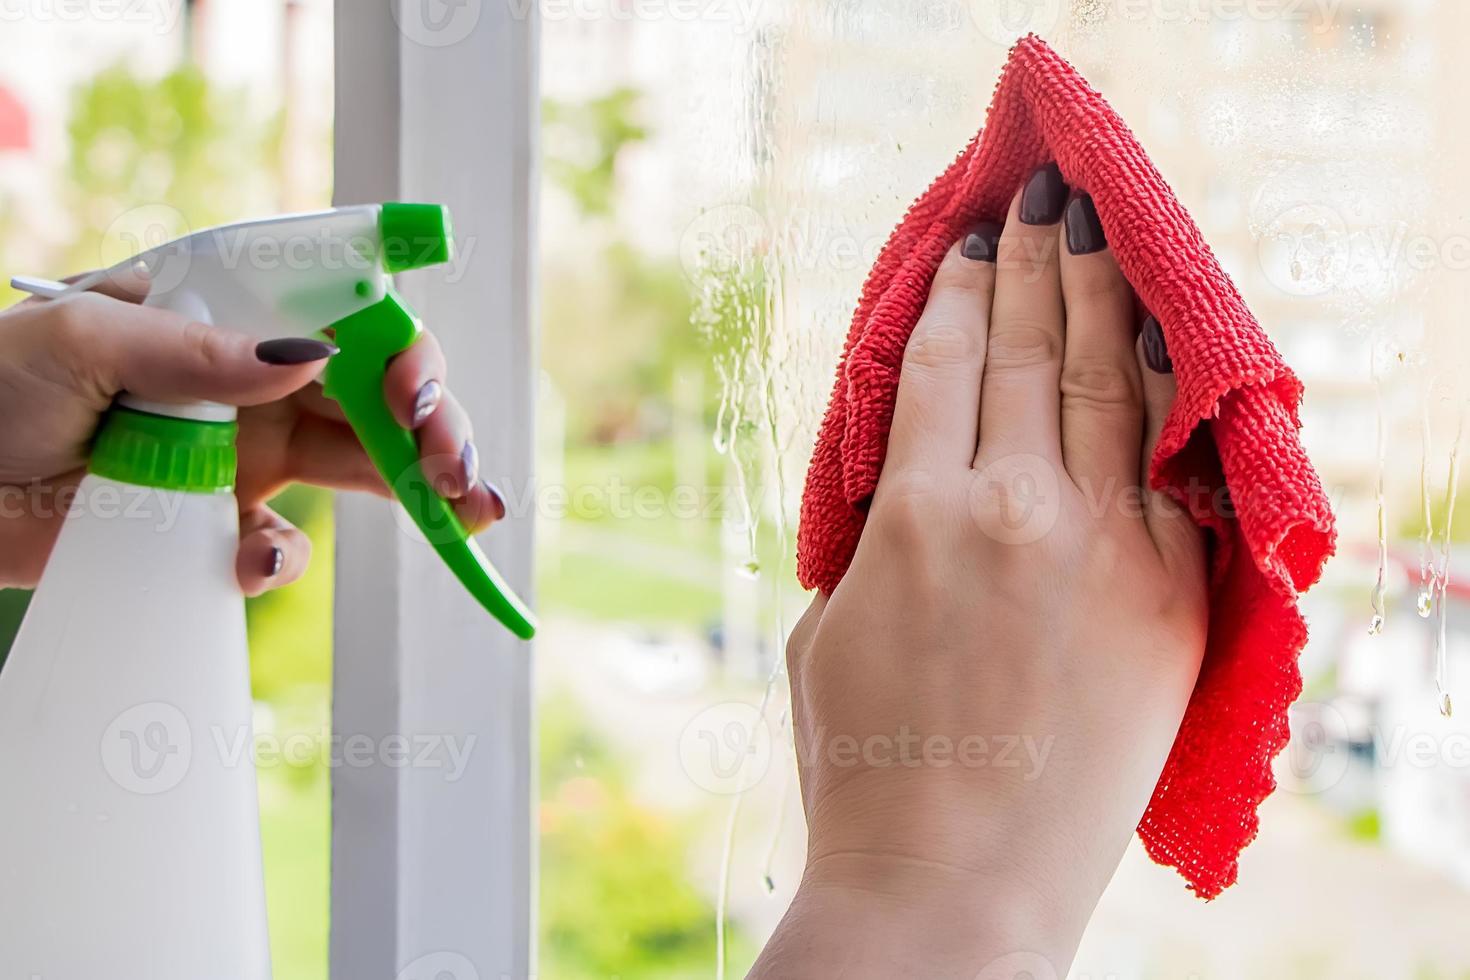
[936, 416]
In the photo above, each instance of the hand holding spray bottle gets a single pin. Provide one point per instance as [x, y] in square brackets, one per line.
[129, 827]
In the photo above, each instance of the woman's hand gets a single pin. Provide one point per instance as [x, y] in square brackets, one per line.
[983, 706]
[63, 361]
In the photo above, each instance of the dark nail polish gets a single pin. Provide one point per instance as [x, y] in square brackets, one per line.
[426, 401]
[274, 562]
[1155, 352]
[497, 501]
[469, 458]
[294, 350]
[982, 242]
[1044, 197]
[1084, 231]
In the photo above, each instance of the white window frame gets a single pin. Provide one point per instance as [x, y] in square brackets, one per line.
[430, 876]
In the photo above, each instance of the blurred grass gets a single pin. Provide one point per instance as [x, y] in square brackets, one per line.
[291, 673]
[296, 834]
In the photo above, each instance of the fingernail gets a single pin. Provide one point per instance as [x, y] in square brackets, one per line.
[1084, 231]
[1044, 197]
[982, 242]
[294, 350]
[497, 502]
[1155, 351]
[274, 562]
[426, 401]
[469, 458]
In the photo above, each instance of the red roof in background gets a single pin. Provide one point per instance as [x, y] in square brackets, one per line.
[15, 122]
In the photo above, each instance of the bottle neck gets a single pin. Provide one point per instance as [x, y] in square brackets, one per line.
[165, 451]
[198, 411]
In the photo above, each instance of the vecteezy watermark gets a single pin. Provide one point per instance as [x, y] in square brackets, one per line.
[427, 751]
[1021, 965]
[421, 513]
[437, 23]
[731, 236]
[1303, 249]
[151, 748]
[1323, 744]
[162, 15]
[1315, 248]
[1318, 13]
[145, 230]
[107, 501]
[740, 15]
[737, 236]
[148, 749]
[1003, 22]
[441, 23]
[726, 748]
[439, 965]
[1016, 499]
[908, 749]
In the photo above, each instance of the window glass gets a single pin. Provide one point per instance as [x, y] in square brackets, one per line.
[748, 161]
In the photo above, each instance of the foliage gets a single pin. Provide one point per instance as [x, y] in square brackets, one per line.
[581, 142]
[616, 334]
[615, 895]
[151, 159]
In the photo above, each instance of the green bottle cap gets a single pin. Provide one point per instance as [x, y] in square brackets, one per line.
[415, 235]
[150, 450]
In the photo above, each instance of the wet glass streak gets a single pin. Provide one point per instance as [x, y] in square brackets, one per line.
[1442, 575]
[1375, 624]
[1428, 577]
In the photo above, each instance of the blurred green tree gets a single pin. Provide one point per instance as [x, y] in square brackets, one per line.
[616, 900]
[151, 159]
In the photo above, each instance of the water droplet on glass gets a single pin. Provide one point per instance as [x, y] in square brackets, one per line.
[1425, 604]
[770, 884]
[1375, 625]
[750, 568]
[1446, 707]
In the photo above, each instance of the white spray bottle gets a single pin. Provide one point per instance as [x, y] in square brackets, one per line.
[129, 829]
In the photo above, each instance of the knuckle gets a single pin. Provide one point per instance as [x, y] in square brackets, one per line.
[963, 278]
[1100, 383]
[74, 324]
[1027, 258]
[941, 343]
[904, 516]
[301, 548]
[900, 484]
[1022, 344]
[196, 341]
[1097, 282]
[204, 345]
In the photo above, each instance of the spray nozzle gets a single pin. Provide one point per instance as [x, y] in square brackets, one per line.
[300, 275]
[412, 236]
[415, 236]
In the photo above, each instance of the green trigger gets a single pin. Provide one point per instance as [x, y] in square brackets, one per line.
[368, 339]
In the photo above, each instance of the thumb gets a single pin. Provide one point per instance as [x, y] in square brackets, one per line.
[160, 355]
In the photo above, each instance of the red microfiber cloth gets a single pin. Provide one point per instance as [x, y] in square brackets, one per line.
[1229, 450]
